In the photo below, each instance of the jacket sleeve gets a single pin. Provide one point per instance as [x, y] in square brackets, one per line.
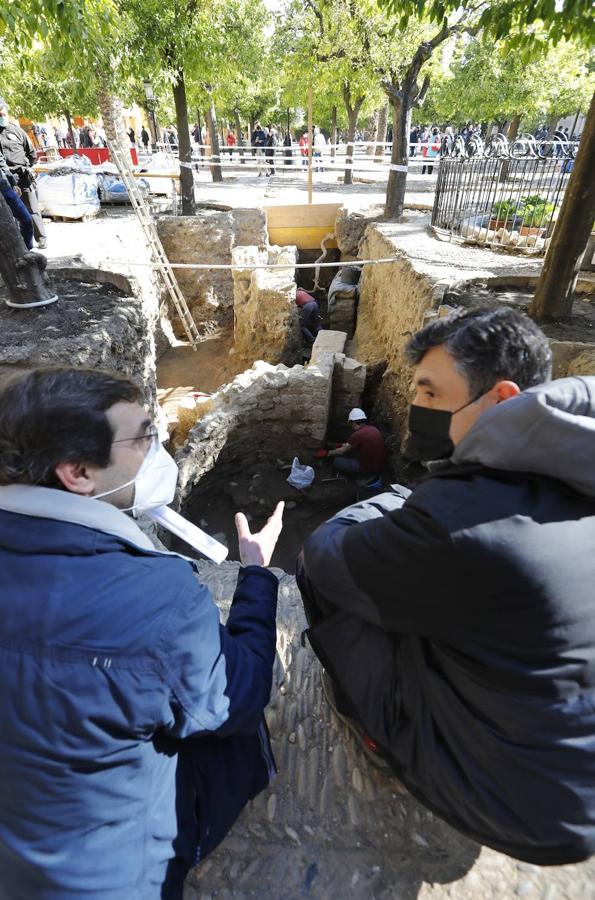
[220, 676]
[29, 148]
[5, 173]
[386, 561]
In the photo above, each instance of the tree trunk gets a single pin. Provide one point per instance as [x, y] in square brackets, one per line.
[381, 132]
[69, 127]
[112, 115]
[215, 149]
[352, 117]
[397, 180]
[333, 132]
[239, 134]
[184, 147]
[557, 282]
[22, 270]
[513, 128]
[371, 148]
[352, 125]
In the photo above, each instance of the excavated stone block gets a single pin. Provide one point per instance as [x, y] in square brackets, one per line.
[266, 320]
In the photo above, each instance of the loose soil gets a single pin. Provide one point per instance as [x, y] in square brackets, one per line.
[580, 326]
[255, 492]
[78, 301]
[205, 369]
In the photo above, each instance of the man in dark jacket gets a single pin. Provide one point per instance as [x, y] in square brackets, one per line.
[20, 157]
[12, 194]
[132, 721]
[456, 621]
[259, 142]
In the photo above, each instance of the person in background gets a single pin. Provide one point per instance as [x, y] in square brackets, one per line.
[132, 719]
[20, 158]
[230, 141]
[413, 140]
[287, 152]
[145, 138]
[271, 143]
[303, 145]
[259, 141]
[431, 150]
[364, 453]
[12, 194]
[319, 144]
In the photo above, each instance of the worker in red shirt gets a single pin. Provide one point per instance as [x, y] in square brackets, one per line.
[309, 316]
[365, 451]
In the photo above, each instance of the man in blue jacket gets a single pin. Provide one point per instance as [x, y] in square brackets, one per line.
[456, 621]
[132, 721]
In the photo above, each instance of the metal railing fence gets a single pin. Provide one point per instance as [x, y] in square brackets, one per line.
[507, 195]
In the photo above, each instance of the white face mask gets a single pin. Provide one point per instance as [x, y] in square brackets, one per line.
[3, 121]
[154, 483]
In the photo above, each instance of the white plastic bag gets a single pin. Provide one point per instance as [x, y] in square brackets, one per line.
[300, 476]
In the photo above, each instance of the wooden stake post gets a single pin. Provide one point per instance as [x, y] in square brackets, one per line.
[310, 137]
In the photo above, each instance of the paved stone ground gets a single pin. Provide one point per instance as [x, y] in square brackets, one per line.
[332, 827]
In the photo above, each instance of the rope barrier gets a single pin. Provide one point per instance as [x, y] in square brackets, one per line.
[243, 266]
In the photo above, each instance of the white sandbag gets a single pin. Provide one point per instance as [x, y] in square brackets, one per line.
[300, 476]
[68, 189]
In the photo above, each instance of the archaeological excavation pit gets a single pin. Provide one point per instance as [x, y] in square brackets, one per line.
[235, 448]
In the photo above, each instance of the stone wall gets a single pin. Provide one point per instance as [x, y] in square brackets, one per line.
[266, 413]
[209, 237]
[266, 319]
[99, 322]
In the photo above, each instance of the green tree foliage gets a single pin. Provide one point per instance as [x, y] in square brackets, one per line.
[520, 23]
[487, 82]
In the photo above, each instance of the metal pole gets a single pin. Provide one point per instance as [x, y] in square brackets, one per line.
[310, 134]
[574, 124]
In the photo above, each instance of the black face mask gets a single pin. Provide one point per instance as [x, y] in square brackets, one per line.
[429, 432]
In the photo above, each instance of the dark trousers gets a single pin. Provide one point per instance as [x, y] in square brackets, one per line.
[361, 660]
[31, 201]
[217, 777]
[21, 214]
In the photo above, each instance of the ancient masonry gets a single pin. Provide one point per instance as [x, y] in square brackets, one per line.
[290, 406]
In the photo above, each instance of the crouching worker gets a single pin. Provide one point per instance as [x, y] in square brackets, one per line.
[364, 453]
[132, 721]
[309, 316]
[455, 622]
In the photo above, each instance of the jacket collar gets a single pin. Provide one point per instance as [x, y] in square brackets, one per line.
[50, 503]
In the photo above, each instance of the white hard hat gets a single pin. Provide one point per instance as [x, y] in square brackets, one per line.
[356, 415]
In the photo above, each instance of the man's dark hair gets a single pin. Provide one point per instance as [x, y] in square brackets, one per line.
[488, 345]
[49, 416]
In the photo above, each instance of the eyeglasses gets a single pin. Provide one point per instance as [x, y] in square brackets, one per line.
[151, 438]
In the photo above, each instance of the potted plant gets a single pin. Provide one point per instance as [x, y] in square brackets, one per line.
[537, 210]
[504, 213]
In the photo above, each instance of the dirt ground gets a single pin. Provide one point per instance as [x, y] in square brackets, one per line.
[92, 301]
[255, 492]
[205, 369]
[579, 327]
